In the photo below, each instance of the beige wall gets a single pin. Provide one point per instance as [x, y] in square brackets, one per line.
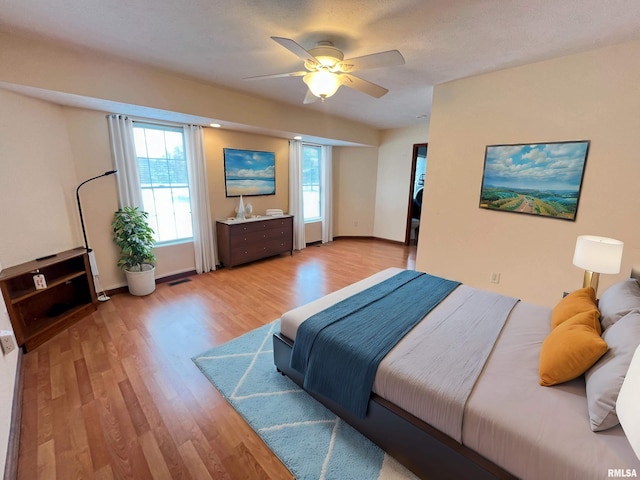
[594, 96]
[37, 175]
[394, 180]
[354, 190]
[33, 63]
[37, 178]
[91, 153]
[216, 140]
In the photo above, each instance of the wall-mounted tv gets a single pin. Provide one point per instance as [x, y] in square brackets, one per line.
[249, 172]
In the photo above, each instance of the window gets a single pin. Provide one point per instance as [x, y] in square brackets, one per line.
[311, 175]
[164, 180]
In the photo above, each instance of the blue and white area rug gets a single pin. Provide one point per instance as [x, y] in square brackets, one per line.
[309, 439]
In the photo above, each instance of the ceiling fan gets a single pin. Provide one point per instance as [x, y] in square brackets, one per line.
[326, 69]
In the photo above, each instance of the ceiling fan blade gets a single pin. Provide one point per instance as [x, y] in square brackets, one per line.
[309, 98]
[278, 75]
[296, 49]
[389, 58]
[363, 86]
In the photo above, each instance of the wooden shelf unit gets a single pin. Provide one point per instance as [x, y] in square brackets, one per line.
[243, 241]
[37, 315]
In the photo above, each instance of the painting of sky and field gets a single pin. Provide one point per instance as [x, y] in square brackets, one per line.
[249, 172]
[539, 178]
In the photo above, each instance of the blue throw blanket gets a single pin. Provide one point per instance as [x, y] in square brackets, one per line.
[339, 349]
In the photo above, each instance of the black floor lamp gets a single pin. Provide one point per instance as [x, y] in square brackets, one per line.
[94, 268]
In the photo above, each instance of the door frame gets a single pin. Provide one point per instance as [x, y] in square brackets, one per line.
[414, 160]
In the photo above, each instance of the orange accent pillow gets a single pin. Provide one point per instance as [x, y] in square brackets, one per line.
[570, 350]
[581, 300]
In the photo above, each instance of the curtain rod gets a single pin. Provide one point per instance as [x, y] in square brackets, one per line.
[152, 120]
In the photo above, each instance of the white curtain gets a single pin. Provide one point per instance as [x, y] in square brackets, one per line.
[327, 194]
[203, 238]
[124, 159]
[295, 193]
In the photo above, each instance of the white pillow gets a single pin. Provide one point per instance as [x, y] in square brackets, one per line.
[628, 406]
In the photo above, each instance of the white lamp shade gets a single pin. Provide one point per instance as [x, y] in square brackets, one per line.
[598, 254]
[322, 84]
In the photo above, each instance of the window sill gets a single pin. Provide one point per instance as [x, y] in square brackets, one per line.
[173, 242]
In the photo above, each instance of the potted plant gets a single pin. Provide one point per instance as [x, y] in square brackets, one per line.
[133, 235]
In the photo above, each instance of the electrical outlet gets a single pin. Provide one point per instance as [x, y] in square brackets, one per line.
[495, 277]
[6, 341]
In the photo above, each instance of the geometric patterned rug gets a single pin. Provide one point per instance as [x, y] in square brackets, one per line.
[310, 440]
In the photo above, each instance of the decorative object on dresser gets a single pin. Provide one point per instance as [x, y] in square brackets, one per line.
[240, 210]
[597, 255]
[133, 235]
[38, 314]
[243, 241]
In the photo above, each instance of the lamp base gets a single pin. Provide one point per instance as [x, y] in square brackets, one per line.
[591, 280]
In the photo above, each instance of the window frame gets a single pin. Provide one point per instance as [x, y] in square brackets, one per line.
[320, 217]
[171, 127]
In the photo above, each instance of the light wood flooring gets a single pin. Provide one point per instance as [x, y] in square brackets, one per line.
[117, 396]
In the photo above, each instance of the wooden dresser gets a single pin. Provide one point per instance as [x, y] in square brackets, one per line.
[242, 241]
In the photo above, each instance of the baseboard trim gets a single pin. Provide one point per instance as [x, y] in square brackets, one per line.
[13, 449]
[358, 237]
[176, 276]
[168, 278]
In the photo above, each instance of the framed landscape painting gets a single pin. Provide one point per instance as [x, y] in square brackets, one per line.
[249, 172]
[542, 179]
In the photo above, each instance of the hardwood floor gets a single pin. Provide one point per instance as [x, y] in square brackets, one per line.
[117, 396]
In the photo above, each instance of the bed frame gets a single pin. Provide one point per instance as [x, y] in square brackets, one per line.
[424, 450]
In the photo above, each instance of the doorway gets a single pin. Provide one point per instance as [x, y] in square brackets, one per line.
[416, 187]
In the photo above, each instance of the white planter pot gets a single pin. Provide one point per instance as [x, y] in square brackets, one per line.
[143, 282]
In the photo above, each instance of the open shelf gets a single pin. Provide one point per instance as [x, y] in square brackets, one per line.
[24, 295]
[37, 315]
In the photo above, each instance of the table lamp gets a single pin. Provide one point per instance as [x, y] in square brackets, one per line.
[597, 255]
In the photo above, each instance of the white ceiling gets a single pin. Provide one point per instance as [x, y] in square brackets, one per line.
[223, 41]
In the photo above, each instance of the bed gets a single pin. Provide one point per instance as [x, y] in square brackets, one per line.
[512, 426]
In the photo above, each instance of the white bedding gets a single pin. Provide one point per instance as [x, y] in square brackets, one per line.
[532, 431]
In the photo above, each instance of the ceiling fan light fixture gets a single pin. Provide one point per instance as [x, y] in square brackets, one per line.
[328, 55]
[322, 83]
